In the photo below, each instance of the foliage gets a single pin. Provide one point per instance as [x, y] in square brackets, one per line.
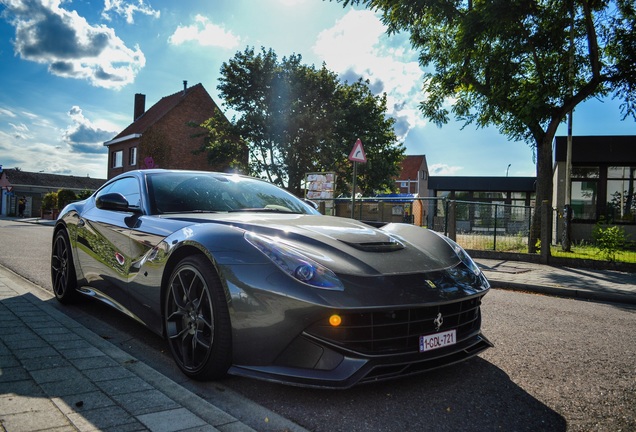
[225, 151]
[49, 201]
[519, 65]
[297, 119]
[65, 196]
[591, 252]
[84, 194]
[609, 239]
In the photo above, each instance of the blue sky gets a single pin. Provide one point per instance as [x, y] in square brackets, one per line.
[69, 70]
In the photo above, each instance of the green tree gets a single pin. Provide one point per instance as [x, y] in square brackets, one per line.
[297, 119]
[520, 65]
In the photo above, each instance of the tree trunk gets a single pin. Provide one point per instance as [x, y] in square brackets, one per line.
[543, 188]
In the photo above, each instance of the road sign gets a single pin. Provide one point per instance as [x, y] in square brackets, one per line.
[357, 153]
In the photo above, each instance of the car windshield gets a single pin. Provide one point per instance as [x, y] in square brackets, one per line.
[180, 192]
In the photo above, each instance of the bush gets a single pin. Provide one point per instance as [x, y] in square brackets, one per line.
[609, 239]
[49, 201]
[65, 196]
[84, 194]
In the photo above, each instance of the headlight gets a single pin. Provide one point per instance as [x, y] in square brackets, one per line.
[295, 264]
[463, 256]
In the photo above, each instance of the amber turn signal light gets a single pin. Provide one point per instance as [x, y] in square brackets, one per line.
[335, 320]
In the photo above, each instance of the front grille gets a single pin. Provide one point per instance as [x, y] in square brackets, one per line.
[398, 330]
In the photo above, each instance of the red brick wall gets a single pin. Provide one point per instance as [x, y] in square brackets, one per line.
[177, 134]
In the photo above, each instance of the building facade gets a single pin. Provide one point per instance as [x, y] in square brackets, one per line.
[166, 135]
[31, 187]
[603, 181]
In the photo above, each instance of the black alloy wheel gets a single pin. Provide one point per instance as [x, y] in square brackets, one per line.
[63, 276]
[197, 320]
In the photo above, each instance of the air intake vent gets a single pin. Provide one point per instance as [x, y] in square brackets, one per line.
[376, 246]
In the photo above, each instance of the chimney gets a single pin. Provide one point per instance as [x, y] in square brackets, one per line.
[140, 105]
[185, 87]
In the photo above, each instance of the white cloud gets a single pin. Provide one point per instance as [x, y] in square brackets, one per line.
[20, 131]
[128, 9]
[357, 46]
[34, 143]
[443, 170]
[205, 33]
[70, 46]
[7, 113]
[83, 136]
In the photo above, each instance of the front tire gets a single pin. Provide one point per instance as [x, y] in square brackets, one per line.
[63, 277]
[197, 320]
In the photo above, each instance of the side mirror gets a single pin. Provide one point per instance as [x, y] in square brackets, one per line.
[115, 202]
[313, 204]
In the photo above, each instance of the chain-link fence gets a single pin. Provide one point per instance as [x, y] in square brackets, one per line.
[492, 226]
[477, 225]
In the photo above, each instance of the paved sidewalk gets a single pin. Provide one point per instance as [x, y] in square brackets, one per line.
[56, 375]
[597, 285]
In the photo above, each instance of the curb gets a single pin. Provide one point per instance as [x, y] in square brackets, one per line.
[564, 292]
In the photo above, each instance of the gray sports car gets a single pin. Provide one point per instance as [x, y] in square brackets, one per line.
[242, 277]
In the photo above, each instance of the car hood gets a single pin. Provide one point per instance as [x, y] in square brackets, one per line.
[347, 246]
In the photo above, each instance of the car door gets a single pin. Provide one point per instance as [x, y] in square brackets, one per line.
[104, 248]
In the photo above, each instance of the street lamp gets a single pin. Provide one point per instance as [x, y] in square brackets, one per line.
[508, 169]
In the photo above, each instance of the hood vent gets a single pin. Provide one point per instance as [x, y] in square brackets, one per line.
[390, 246]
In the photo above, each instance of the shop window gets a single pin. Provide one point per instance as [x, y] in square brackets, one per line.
[582, 172]
[621, 184]
[584, 197]
[490, 196]
[584, 192]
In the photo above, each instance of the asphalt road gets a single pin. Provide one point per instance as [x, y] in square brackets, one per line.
[558, 364]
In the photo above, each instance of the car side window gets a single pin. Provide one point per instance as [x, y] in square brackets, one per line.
[128, 187]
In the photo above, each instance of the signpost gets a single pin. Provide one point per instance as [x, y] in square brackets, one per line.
[357, 155]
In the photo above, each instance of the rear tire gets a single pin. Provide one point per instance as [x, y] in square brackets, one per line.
[197, 320]
[63, 277]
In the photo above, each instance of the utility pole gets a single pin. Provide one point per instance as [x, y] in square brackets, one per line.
[566, 238]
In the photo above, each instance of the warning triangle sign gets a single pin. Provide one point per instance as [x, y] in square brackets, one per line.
[357, 153]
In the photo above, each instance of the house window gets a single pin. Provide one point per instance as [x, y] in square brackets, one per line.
[132, 156]
[118, 159]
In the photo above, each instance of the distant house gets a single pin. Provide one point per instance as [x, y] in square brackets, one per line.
[33, 186]
[413, 177]
[163, 136]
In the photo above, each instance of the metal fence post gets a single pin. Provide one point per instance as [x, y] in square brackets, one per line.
[452, 220]
[446, 203]
[494, 238]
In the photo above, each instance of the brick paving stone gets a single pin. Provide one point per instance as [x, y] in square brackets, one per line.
[146, 401]
[174, 420]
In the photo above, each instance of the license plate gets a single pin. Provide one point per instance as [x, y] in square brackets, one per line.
[437, 340]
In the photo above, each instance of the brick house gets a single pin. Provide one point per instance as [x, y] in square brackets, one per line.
[413, 177]
[162, 137]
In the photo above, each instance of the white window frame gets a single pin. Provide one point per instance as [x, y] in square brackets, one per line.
[132, 156]
[118, 159]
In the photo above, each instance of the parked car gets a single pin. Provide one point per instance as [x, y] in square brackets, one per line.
[242, 277]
